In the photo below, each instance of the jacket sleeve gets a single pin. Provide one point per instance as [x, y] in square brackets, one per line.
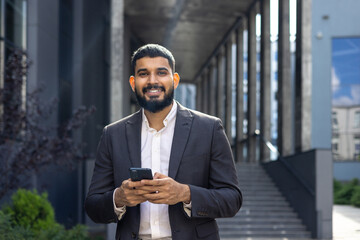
[99, 201]
[223, 197]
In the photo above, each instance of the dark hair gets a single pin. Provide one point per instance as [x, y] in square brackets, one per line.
[152, 50]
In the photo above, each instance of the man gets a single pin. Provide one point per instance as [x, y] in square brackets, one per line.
[195, 179]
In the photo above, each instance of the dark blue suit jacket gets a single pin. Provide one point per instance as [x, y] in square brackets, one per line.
[200, 157]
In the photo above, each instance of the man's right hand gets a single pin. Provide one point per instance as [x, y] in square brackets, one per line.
[128, 194]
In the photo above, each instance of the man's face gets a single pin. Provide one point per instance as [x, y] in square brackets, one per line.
[154, 83]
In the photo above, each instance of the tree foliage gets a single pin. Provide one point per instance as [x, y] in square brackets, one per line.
[28, 138]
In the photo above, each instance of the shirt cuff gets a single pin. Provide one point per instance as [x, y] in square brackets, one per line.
[119, 211]
[187, 208]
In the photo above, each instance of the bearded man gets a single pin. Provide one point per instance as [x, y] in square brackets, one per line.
[195, 179]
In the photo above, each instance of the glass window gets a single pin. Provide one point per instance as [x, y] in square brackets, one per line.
[15, 22]
[12, 79]
[357, 119]
[334, 119]
[357, 147]
[345, 82]
[335, 147]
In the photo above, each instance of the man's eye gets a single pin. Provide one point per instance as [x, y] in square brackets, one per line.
[162, 73]
[142, 74]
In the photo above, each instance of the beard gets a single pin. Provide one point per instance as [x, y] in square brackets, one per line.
[154, 105]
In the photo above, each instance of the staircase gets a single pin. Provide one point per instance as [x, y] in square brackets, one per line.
[265, 213]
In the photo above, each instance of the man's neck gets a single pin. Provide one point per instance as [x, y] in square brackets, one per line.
[156, 120]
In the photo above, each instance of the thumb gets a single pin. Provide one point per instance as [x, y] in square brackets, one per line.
[158, 175]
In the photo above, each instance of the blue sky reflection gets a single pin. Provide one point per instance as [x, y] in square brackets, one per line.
[345, 72]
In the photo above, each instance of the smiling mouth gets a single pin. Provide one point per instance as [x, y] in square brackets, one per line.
[153, 91]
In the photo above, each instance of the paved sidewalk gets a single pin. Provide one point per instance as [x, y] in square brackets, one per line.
[346, 222]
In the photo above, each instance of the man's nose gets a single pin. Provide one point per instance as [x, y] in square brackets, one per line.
[152, 78]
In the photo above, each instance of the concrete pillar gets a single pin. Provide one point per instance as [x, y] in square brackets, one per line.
[303, 77]
[284, 82]
[116, 72]
[199, 95]
[265, 81]
[117, 60]
[2, 53]
[212, 90]
[77, 95]
[239, 94]
[220, 86]
[205, 91]
[324, 193]
[251, 104]
[228, 88]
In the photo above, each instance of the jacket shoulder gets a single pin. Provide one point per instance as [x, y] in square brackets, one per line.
[133, 118]
[200, 116]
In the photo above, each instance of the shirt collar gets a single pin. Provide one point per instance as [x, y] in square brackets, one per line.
[171, 115]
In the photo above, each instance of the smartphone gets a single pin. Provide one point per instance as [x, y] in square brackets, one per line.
[137, 174]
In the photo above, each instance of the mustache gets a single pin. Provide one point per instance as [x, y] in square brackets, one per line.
[152, 86]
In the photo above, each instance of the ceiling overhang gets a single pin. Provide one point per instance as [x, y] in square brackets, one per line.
[190, 29]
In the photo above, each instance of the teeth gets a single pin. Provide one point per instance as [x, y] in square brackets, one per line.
[154, 91]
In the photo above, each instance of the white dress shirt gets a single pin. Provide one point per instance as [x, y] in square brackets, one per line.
[155, 154]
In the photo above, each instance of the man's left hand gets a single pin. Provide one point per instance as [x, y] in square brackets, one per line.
[166, 190]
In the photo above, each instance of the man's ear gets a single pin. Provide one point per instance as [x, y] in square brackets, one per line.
[132, 83]
[176, 80]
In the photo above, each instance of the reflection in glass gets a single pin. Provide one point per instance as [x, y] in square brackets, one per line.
[345, 74]
[15, 19]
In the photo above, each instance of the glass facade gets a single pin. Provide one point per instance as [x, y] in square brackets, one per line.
[15, 22]
[65, 59]
[12, 84]
[345, 81]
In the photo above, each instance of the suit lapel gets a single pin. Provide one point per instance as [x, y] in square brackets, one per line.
[133, 136]
[181, 134]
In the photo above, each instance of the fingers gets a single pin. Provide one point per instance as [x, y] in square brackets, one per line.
[132, 184]
[157, 182]
[159, 176]
[130, 194]
[161, 190]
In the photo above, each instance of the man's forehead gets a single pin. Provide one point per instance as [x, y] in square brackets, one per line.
[152, 62]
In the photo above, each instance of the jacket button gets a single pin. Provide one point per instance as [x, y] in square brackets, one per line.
[133, 235]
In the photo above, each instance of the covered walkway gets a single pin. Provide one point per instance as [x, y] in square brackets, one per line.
[218, 49]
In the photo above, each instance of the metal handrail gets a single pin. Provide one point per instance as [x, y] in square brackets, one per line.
[285, 164]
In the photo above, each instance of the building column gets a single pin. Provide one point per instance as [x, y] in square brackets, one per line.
[117, 60]
[116, 72]
[303, 77]
[284, 82]
[77, 96]
[199, 95]
[212, 90]
[265, 80]
[239, 94]
[205, 91]
[228, 89]
[220, 86]
[251, 104]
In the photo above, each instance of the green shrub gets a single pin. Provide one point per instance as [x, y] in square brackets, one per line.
[30, 216]
[337, 186]
[31, 210]
[355, 199]
[343, 193]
